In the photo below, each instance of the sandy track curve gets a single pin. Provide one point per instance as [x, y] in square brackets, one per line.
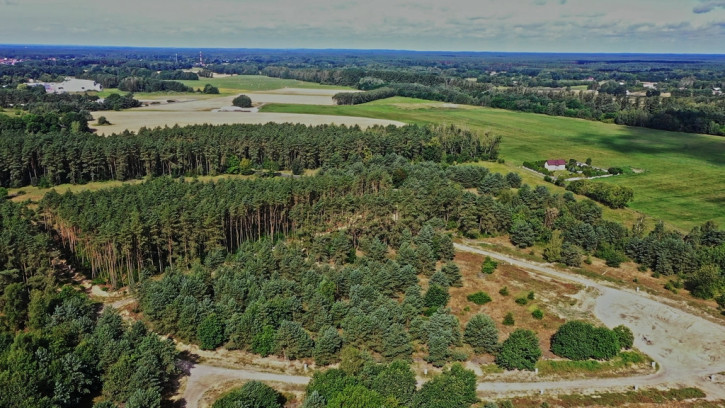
[688, 348]
[203, 377]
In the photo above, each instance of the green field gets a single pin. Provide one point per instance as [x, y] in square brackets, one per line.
[683, 178]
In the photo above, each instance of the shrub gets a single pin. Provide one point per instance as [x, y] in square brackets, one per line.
[504, 291]
[252, 394]
[625, 336]
[530, 296]
[508, 320]
[612, 195]
[577, 340]
[242, 101]
[479, 298]
[520, 351]
[522, 301]
[102, 121]
[488, 266]
[210, 89]
[615, 170]
[537, 314]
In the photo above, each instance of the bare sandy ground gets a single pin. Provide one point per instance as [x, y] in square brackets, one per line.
[688, 349]
[134, 120]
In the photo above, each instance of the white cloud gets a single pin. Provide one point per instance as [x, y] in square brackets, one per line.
[502, 25]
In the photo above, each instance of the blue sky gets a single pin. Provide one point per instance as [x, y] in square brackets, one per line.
[653, 26]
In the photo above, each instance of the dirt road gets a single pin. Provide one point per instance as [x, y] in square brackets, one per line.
[687, 348]
[203, 377]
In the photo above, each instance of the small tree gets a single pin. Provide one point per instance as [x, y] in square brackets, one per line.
[508, 320]
[520, 351]
[481, 334]
[522, 235]
[242, 101]
[571, 255]
[436, 296]
[210, 89]
[297, 167]
[210, 332]
[293, 341]
[327, 346]
[102, 121]
[453, 274]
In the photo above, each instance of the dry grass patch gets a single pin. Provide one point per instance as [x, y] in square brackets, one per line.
[547, 293]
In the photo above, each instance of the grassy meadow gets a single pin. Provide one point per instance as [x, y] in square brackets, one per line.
[678, 177]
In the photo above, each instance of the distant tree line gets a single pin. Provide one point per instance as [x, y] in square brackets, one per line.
[200, 150]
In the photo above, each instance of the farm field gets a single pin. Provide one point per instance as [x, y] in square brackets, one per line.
[190, 109]
[236, 83]
[681, 178]
[134, 120]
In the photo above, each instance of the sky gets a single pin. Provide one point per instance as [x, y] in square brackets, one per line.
[641, 26]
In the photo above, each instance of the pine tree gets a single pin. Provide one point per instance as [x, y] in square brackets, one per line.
[453, 274]
[396, 343]
[327, 347]
[481, 334]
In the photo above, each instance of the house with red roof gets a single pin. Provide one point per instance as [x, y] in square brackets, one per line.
[556, 164]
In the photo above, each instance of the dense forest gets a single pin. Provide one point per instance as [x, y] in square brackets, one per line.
[55, 348]
[349, 263]
[71, 157]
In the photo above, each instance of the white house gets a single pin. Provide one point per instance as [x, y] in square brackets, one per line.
[554, 165]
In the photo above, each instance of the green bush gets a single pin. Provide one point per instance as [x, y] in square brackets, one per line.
[252, 394]
[625, 336]
[504, 291]
[488, 266]
[479, 298]
[537, 314]
[508, 320]
[577, 340]
[242, 101]
[520, 351]
[522, 301]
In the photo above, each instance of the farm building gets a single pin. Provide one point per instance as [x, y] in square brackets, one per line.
[554, 165]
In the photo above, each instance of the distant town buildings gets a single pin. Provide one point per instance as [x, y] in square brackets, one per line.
[9, 61]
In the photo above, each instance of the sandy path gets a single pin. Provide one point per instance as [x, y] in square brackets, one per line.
[688, 348]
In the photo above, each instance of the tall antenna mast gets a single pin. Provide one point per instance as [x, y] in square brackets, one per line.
[201, 59]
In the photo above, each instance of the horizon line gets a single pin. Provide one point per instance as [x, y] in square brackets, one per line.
[354, 49]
